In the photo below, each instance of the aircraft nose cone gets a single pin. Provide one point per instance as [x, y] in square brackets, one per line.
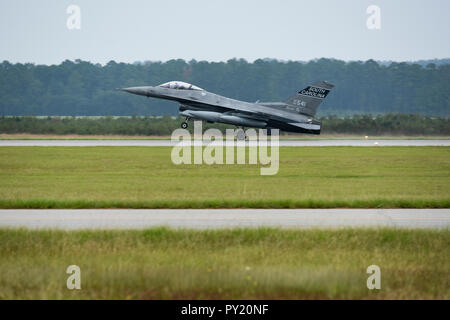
[135, 90]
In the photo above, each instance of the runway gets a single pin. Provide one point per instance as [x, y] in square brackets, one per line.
[168, 143]
[223, 218]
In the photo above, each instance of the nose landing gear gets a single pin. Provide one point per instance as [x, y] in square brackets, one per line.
[184, 124]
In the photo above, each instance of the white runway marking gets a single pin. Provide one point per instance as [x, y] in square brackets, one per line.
[223, 218]
[165, 143]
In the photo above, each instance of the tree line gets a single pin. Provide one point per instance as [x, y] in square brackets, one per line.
[388, 124]
[81, 88]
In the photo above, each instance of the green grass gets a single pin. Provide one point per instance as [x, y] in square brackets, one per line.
[145, 177]
[235, 264]
[219, 204]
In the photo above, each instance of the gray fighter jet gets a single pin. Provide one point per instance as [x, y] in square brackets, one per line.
[296, 114]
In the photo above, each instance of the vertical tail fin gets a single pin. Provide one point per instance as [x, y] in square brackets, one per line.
[308, 100]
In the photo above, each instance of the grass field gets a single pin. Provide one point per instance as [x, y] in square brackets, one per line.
[241, 263]
[143, 177]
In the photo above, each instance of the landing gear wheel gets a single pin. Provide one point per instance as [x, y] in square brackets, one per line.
[184, 125]
[240, 134]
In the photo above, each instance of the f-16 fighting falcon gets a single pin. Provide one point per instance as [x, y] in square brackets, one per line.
[296, 114]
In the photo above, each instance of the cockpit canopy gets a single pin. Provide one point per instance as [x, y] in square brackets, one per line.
[180, 85]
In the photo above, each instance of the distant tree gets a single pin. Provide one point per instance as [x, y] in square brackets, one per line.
[82, 88]
[388, 124]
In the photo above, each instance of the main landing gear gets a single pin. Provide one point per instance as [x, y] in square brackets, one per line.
[240, 134]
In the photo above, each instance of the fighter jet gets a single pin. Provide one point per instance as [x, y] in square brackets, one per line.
[296, 114]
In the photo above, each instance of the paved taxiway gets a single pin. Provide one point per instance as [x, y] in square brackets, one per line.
[162, 143]
[223, 218]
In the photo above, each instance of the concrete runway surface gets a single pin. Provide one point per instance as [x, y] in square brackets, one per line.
[163, 143]
[69, 219]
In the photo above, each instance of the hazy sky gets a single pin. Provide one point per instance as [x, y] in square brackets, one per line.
[127, 31]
